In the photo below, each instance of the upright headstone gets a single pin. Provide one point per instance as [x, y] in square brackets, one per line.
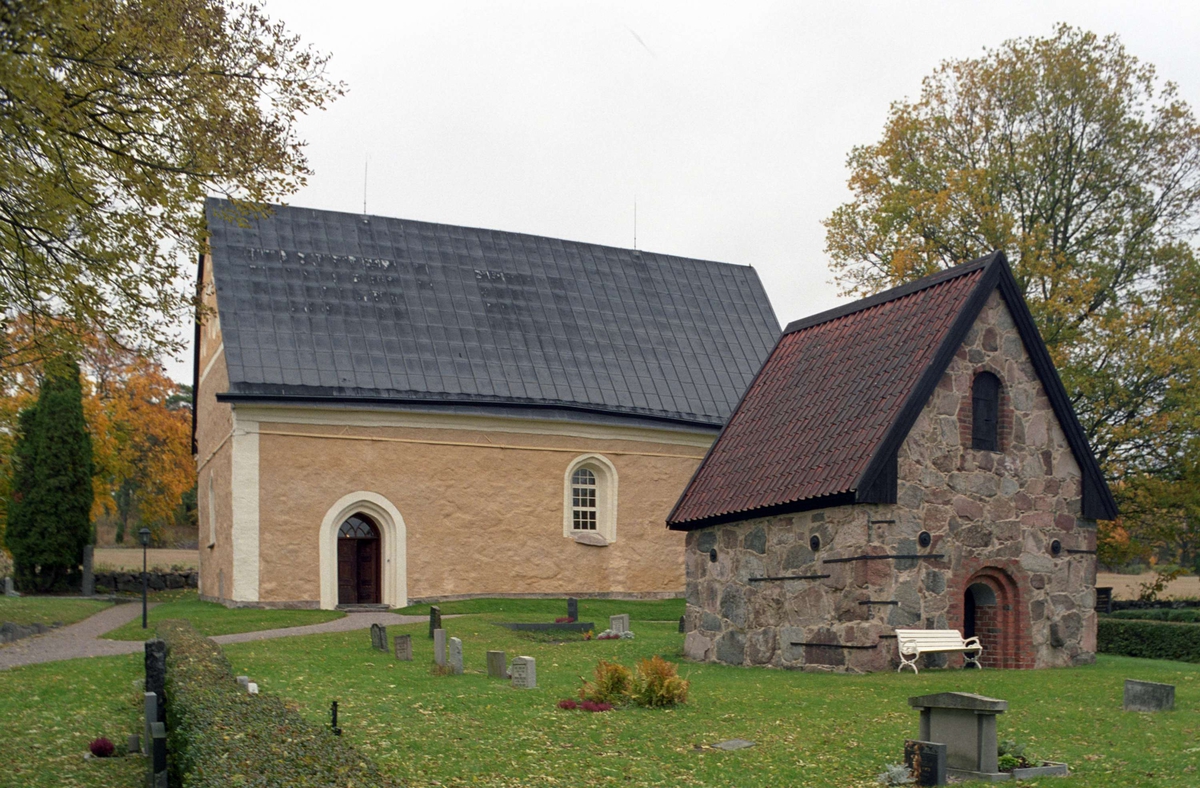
[158, 756]
[375, 636]
[435, 619]
[456, 662]
[966, 724]
[9, 590]
[497, 665]
[383, 641]
[572, 608]
[243, 682]
[683, 623]
[403, 645]
[439, 646]
[524, 673]
[134, 744]
[619, 624]
[156, 674]
[150, 709]
[89, 576]
[1148, 696]
[927, 761]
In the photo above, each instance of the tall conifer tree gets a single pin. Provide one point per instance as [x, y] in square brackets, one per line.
[50, 514]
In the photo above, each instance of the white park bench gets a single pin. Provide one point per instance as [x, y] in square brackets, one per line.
[912, 643]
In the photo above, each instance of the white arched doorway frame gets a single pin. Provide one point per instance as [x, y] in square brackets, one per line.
[393, 534]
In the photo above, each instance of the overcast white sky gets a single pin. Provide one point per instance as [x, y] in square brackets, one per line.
[729, 123]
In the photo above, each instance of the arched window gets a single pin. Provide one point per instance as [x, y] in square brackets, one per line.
[985, 412]
[583, 500]
[590, 500]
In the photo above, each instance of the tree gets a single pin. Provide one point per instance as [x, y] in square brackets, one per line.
[1073, 157]
[118, 117]
[50, 522]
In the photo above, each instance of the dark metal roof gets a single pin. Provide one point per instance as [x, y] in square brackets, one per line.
[821, 423]
[318, 305]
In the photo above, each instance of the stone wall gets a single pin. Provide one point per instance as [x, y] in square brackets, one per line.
[991, 516]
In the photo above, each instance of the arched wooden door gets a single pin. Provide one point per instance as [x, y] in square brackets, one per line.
[359, 559]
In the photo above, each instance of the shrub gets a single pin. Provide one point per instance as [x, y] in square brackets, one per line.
[612, 684]
[1182, 615]
[658, 684]
[564, 620]
[568, 704]
[588, 705]
[1149, 639]
[221, 736]
[1006, 763]
[102, 748]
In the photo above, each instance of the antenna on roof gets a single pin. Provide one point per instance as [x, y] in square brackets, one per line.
[366, 161]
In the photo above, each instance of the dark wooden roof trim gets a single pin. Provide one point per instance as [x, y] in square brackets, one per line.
[791, 507]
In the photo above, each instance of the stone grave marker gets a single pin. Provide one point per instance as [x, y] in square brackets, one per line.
[926, 760]
[382, 644]
[156, 674]
[456, 662]
[134, 744]
[158, 756]
[1148, 696]
[252, 688]
[9, 590]
[439, 646]
[243, 681]
[403, 646]
[150, 710]
[733, 744]
[966, 724]
[619, 624]
[435, 619]
[497, 665]
[572, 608]
[89, 576]
[524, 673]
[683, 623]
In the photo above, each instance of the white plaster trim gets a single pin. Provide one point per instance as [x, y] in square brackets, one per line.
[606, 495]
[245, 510]
[395, 546]
[208, 367]
[364, 417]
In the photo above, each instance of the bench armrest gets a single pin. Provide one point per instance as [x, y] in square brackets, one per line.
[972, 643]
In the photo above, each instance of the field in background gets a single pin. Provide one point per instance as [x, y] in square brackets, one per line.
[130, 559]
[1128, 586]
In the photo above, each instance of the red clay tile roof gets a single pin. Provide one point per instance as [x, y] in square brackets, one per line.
[837, 394]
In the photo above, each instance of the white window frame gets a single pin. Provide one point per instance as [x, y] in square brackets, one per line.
[606, 497]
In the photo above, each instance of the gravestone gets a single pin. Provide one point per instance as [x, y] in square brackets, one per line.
[456, 662]
[403, 646]
[966, 724]
[150, 710]
[439, 646]
[572, 608]
[158, 756]
[733, 744]
[1148, 696]
[524, 673]
[156, 674]
[435, 619]
[379, 637]
[9, 589]
[243, 681]
[683, 623]
[252, 688]
[927, 761]
[89, 576]
[497, 665]
[134, 744]
[619, 624]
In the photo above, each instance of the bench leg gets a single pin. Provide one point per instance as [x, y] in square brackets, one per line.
[912, 663]
[973, 660]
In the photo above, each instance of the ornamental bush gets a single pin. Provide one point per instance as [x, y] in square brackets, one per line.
[658, 683]
[1181, 615]
[612, 684]
[219, 736]
[1149, 639]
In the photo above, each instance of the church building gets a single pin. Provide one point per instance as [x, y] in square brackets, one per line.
[389, 411]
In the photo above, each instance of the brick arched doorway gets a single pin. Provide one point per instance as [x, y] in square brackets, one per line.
[991, 611]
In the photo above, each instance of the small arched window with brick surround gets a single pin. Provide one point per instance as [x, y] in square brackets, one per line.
[590, 500]
[985, 412]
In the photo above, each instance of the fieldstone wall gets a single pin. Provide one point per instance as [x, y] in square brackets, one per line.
[992, 518]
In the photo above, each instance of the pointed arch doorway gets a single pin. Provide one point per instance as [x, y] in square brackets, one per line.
[358, 561]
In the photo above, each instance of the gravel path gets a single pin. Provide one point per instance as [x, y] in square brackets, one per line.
[83, 639]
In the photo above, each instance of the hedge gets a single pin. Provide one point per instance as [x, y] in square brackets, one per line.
[220, 736]
[1149, 639]
[1182, 616]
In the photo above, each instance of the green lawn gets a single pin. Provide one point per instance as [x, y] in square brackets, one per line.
[49, 713]
[213, 619]
[811, 729]
[595, 610]
[48, 609]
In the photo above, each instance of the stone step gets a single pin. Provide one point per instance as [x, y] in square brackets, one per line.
[364, 608]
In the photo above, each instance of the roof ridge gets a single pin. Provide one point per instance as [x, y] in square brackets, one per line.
[534, 236]
[891, 294]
